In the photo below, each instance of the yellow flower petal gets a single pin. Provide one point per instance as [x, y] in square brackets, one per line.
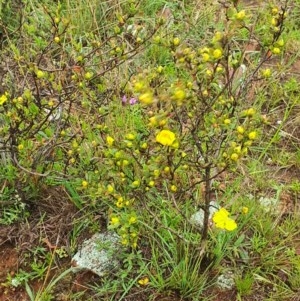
[221, 214]
[146, 98]
[217, 53]
[143, 281]
[165, 137]
[245, 210]
[222, 221]
[230, 224]
[3, 99]
[132, 220]
[84, 184]
[110, 140]
[115, 221]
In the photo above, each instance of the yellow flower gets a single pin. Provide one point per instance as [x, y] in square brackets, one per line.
[219, 69]
[217, 54]
[165, 137]
[189, 85]
[280, 42]
[244, 150]
[88, 75]
[125, 162]
[173, 188]
[167, 169]
[275, 10]
[276, 50]
[110, 188]
[143, 281]
[151, 183]
[84, 184]
[132, 220]
[250, 112]
[179, 94]
[74, 144]
[245, 210]
[266, 73]
[176, 41]
[217, 37]
[119, 202]
[203, 50]
[40, 74]
[110, 140]
[146, 98]
[204, 93]
[115, 221]
[144, 145]
[130, 136]
[208, 73]
[238, 149]
[3, 99]
[156, 173]
[234, 157]
[159, 69]
[153, 121]
[240, 15]
[124, 242]
[94, 143]
[136, 183]
[274, 21]
[252, 135]
[72, 160]
[205, 57]
[222, 220]
[138, 86]
[227, 121]
[240, 130]
[118, 154]
[51, 103]
[20, 147]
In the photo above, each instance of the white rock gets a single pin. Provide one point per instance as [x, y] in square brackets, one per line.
[198, 218]
[226, 281]
[56, 115]
[269, 204]
[98, 254]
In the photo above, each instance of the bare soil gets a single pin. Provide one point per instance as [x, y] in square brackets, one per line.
[9, 266]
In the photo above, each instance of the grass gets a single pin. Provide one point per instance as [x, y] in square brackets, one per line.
[105, 50]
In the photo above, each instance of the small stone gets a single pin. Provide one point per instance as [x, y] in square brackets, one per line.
[226, 281]
[198, 218]
[269, 204]
[98, 254]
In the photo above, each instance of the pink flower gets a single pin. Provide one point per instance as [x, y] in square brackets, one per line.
[124, 100]
[132, 100]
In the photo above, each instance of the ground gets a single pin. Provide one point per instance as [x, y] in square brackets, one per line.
[57, 215]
